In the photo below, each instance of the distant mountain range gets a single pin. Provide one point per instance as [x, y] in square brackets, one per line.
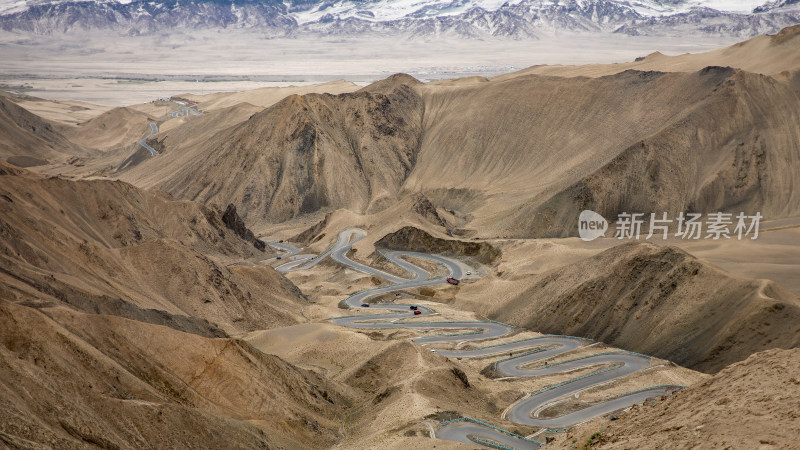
[521, 19]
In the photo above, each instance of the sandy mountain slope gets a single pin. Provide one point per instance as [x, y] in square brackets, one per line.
[768, 55]
[518, 157]
[74, 380]
[113, 128]
[534, 151]
[108, 247]
[300, 155]
[121, 152]
[750, 404]
[62, 112]
[402, 382]
[28, 140]
[185, 133]
[660, 301]
[735, 151]
[266, 97]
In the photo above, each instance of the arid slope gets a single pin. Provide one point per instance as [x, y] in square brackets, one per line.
[527, 154]
[773, 55]
[115, 128]
[655, 300]
[515, 156]
[74, 380]
[750, 404]
[301, 155]
[28, 140]
[108, 247]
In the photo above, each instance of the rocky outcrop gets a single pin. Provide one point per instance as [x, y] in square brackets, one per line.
[425, 209]
[312, 233]
[232, 220]
[413, 239]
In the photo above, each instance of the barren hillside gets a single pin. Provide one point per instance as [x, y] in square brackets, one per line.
[735, 151]
[655, 300]
[27, 140]
[773, 55]
[266, 97]
[517, 156]
[115, 128]
[750, 404]
[526, 155]
[291, 158]
[112, 304]
[75, 380]
[108, 247]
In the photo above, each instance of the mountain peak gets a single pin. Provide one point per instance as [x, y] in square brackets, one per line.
[467, 18]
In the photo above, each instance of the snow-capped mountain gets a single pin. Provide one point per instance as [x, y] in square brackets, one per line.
[777, 4]
[141, 17]
[463, 18]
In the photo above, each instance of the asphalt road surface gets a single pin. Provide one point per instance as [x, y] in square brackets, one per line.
[609, 365]
[472, 433]
[183, 112]
[143, 142]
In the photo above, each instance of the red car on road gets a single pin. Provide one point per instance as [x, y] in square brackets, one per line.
[452, 281]
[416, 313]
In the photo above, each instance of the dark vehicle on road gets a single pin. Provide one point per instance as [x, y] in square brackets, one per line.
[417, 313]
[413, 308]
[365, 305]
[452, 281]
[278, 257]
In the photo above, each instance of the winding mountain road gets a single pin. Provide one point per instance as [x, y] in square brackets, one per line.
[154, 128]
[527, 411]
[183, 112]
[143, 142]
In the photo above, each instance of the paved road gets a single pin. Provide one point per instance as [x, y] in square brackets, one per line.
[616, 365]
[154, 128]
[472, 433]
[292, 255]
[290, 249]
[143, 142]
[183, 112]
[418, 277]
[541, 347]
[610, 365]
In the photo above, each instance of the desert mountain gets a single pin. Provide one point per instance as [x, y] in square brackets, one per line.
[535, 151]
[115, 307]
[114, 128]
[303, 154]
[107, 247]
[75, 380]
[28, 140]
[732, 151]
[660, 301]
[769, 55]
[522, 155]
[758, 395]
[265, 97]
